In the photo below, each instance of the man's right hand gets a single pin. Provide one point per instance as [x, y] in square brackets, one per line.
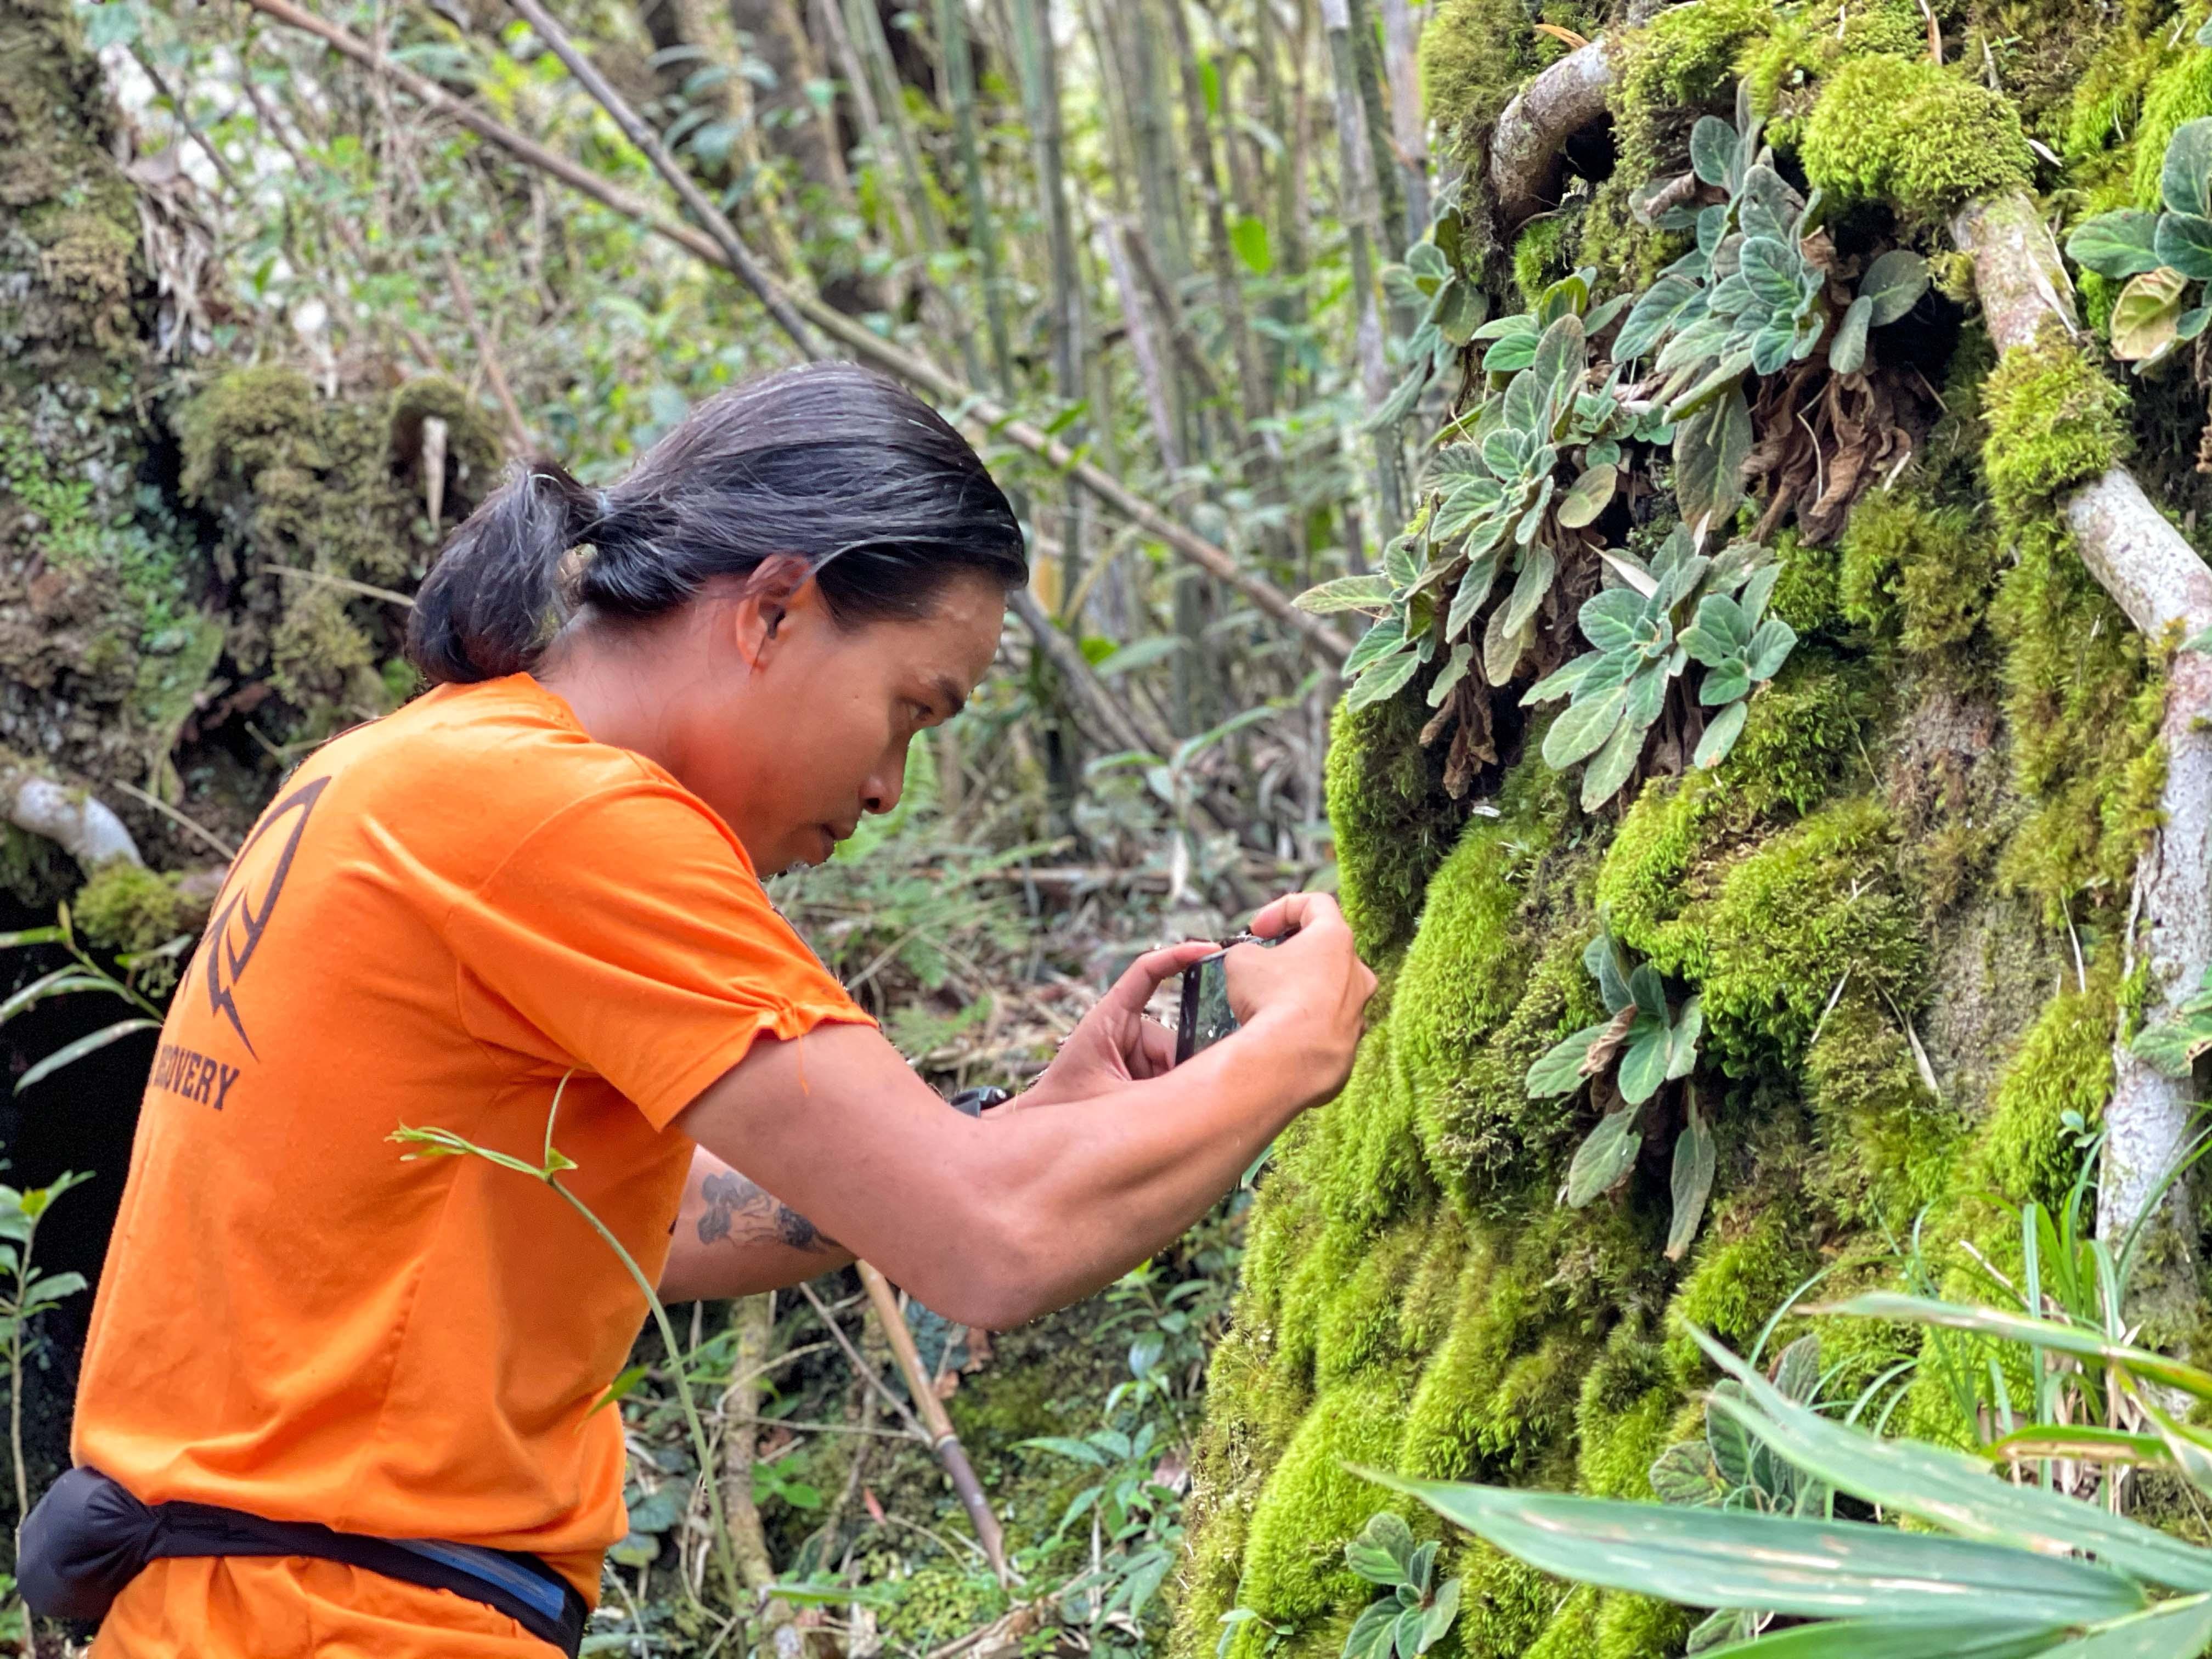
[1309, 991]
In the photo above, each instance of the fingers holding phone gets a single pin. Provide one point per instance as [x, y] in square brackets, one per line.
[1298, 974]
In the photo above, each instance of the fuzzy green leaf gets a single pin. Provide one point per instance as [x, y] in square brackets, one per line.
[2184, 181]
[1726, 683]
[1370, 1633]
[1588, 496]
[1684, 1475]
[1656, 311]
[1709, 451]
[1895, 282]
[2119, 245]
[2191, 322]
[1773, 346]
[1468, 505]
[1562, 355]
[2183, 241]
[1564, 681]
[1584, 728]
[1643, 1059]
[1682, 1052]
[1383, 1549]
[1712, 149]
[1770, 648]
[1608, 618]
[1475, 585]
[1721, 733]
[1384, 679]
[1602, 962]
[1610, 767]
[1604, 1159]
[1559, 1071]
[1454, 670]
[1537, 569]
[1771, 271]
[1346, 593]
[1387, 636]
[1806, 1569]
[1692, 1184]
[2172, 1047]
[1847, 351]
[1439, 1618]
[1721, 632]
[1647, 695]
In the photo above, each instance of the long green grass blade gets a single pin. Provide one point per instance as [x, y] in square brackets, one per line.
[1885, 1638]
[70, 1052]
[2036, 1332]
[1809, 1569]
[2172, 1630]
[1954, 1490]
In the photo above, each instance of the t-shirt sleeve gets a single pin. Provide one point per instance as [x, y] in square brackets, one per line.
[629, 931]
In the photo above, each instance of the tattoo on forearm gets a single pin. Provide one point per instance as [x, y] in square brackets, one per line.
[739, 1211]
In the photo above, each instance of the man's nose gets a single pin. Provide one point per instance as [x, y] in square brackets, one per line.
[884, 790]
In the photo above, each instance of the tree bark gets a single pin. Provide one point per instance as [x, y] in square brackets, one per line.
[1528, 143]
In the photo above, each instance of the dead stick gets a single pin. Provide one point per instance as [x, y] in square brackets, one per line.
[944, 1439]
[465, 302]
[966, 403]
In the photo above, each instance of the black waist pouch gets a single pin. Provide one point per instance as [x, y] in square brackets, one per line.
[89, 1537]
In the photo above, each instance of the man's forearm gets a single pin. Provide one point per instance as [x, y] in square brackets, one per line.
[733, 1239]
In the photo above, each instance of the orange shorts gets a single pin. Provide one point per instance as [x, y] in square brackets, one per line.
[289, 1607]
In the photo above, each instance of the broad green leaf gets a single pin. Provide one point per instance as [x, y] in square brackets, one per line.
[1401, 563]
[1610, 767]
[1561, 355]
[1502, 648]
[1721, 733]
[1602, 962]
[70, 1052]
[1366, 592]
[1656, 311]
[1474, 586]
[1721, 631]
[1450, 467]
[1420, 1568]
[1513, 325]
[1559, 1072]
[1466, 505]
[1588, 496]
[1729, 682]
[2184, 241]
[2173, 1630]
[1582, 728]
[1712, 149]
[2147, 316]
[1379, 641]
[1797, 1373]
[1380, 1552]
[1452, 673]
[1564, 681]
[1513, 352]
[2119, 245]
[1770, 270]
[1249, 236]
[1439, 1618]
[1773, 346]
[1406, 1633]
[2191, 322]
[1538, 567]
[1385, 679]
[1682, 1044]
[1532, 519]
[1648, 992]
[1770, 648]
[1847, 351]
[1524, 407]
[1684, 1474]
[1460, 305]
[1691, 1182]
[1604, 1159]
[659, 1509]
[1608, 617]
[2172, 1047]
[2036, 1332]
[1949, 1489]
[1895, 282]
[1647, 690]
[1370, 1632]
[1081, 1451]
[1643, 1061]
[1709, 451]
[1805, 1569]
[2184, 181]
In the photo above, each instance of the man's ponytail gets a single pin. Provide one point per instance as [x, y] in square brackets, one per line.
[491, 602]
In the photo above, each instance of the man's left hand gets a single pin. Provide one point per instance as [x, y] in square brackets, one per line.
[1116, 1045]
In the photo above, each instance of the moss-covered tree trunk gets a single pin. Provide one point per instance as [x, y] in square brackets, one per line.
[1924, 903]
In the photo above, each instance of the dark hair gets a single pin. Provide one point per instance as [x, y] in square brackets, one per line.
[833, 462]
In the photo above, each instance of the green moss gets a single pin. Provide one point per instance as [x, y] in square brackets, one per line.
[1751, 1258]
[1802, 45]
[2055, 421]
[1536, 261]
[1642, 889]
[2180, 92]
[1391, 820]
[1366, 1167]
[1808, 594]
[1504, 1604]
[1640, 1627]
[1313, 1505]
[1571, 1632]
[1812, 905]
[1682, 60]
[2064, 1064]
[126, 907]
[1920, 574]
[1623, 1418]
[1474, 54]
[1912, 133]
[1806, 732]
[1887, 1144]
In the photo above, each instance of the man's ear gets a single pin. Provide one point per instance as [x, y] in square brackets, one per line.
[777, 587]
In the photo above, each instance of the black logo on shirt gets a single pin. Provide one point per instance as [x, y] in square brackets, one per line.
[236, 932]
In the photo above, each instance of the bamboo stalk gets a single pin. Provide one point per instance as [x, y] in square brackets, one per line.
[970, 407]
[1374, 103]
[518, 429]
[943, 1440]
[982, 234]
[1401, 40]
[1229, 289]
[831, 16]
[753, 1321]
[1357, 190]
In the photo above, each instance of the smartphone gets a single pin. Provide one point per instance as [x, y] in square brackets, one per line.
[1206, 1018]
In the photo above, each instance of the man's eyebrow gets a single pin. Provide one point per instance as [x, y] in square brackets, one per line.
[948, 690]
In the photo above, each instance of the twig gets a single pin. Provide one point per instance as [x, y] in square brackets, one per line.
[829, 1428]
[296, 574]
[735, 255]
[943, 1437]
[867, 1372]
[170, 812]
[517, 428]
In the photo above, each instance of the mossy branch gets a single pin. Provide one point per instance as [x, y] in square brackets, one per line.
[1533, 131]
[85, 827]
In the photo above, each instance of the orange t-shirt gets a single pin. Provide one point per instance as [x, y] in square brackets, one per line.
[440, 914]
